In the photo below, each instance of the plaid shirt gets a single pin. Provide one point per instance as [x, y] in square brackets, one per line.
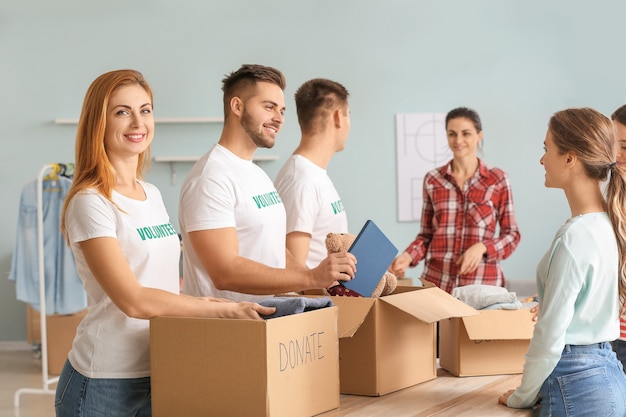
[455, 219]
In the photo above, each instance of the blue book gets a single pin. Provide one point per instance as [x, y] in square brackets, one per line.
[374, 253]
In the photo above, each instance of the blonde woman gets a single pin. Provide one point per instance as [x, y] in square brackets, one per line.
[570, 365]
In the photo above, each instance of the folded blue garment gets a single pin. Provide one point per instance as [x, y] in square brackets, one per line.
[514, 305]
[286, 306]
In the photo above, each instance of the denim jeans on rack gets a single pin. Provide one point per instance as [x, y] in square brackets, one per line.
[63, 288]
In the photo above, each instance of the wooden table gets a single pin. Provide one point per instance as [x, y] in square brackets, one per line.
[444, 396]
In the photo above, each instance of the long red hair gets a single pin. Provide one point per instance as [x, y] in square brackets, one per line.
[92, 168]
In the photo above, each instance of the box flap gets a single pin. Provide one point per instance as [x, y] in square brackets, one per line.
[426, 283]
[352, 312]
[429, 304]
[500, 325]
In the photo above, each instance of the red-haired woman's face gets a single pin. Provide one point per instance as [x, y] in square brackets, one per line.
[130, 122]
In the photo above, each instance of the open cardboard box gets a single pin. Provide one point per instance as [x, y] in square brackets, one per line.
[491, 343]
[286, 366]
[389, 343]
[60, 331]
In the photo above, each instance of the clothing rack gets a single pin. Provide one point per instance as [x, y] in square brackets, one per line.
[53, 170]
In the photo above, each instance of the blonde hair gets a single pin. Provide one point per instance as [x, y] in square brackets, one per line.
[92, 168]
[590, 136]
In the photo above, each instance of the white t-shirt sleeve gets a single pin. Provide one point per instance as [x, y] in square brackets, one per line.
[90, 215]
[302, 204]
[208, 203]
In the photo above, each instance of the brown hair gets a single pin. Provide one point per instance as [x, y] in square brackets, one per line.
[240, 82]
[465, 113]
[316, 99]
[619, 115]
[93, 168]
[590, 136]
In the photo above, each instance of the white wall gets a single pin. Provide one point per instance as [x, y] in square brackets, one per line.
[515, 62]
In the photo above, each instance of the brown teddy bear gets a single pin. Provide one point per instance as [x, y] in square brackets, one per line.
[338, 242]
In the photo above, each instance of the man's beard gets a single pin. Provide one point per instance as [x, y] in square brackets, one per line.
[260, 139]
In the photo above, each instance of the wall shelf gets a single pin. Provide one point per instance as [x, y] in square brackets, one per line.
[172, 160]
[179, 120]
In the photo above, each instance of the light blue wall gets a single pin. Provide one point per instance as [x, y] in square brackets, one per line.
[515, 62]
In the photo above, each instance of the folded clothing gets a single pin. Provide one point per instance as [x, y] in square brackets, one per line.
[286, 306]
[515, 305]
[482, 296]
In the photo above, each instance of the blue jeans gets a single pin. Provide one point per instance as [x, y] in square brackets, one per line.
[79, 396]
[587, 381]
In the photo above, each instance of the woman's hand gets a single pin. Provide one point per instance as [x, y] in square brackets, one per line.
[505, 397]
[535, 310]
[248, 310]
[400, 264]
[471, 258]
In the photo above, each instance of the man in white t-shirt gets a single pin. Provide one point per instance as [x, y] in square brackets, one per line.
[232, 219]
[311, 200]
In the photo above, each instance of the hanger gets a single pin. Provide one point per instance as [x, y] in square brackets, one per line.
[68, 170]
[53, 175]
[51, 181]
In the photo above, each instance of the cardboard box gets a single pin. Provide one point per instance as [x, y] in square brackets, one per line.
[60, 329]
[491, 343]
[33, 325]
[389, 343]
[287, 366]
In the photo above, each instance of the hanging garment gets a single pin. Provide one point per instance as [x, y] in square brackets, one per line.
[63, 288]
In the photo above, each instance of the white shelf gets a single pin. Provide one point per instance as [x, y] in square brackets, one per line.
[158, 120]
[172, 160]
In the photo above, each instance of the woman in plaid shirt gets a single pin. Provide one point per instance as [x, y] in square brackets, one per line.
[465, 202]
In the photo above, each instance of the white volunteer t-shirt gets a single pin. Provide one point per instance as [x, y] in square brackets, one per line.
[312, 204]
[108, 343]
[223, 190]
